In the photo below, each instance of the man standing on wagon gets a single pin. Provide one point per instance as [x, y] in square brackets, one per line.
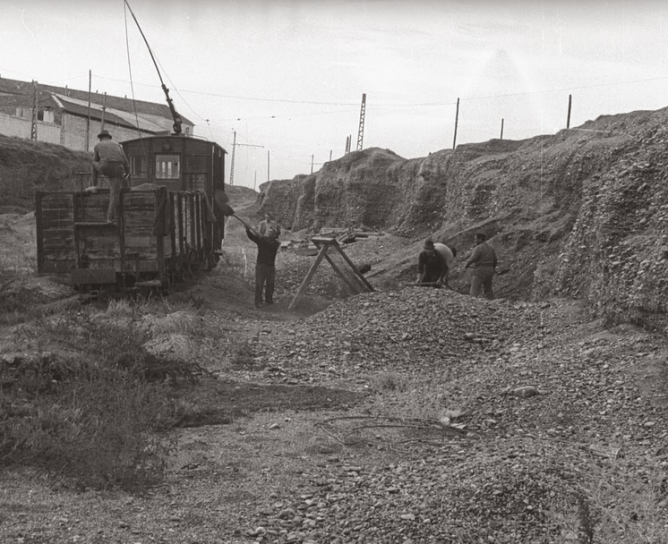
[265, 269]
[110, 161]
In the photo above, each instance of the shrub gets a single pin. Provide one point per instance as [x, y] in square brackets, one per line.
[89, 409]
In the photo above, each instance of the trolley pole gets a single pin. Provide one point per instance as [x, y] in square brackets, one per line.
[454, 141]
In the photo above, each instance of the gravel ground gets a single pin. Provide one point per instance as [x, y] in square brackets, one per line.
[485, 422]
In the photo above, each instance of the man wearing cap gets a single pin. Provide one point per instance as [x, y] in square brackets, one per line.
[483, 260]
[431, 266]
[268, 223]
[110, 161]
[265, 269]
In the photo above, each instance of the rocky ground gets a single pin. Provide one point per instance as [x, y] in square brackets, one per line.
[398, 416]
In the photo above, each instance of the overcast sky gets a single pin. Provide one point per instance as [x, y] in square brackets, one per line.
[289, 75]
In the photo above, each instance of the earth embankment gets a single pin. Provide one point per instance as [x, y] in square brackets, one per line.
[580, 213]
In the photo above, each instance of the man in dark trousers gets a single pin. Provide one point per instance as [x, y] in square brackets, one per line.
[265, 269]
[110, 161]
[431, 266]
[483, 260]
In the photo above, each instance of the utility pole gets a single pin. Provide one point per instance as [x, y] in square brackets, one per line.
[35, 106]
[90, 84]
[312, 159]
[104, 109]
[330, 155]
[501, 137]
[234, 147]
[268, 166]
[568, 119]
[454, 141]
[360, 133]
[255, 180]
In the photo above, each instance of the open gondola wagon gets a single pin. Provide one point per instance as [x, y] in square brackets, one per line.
[168, 223]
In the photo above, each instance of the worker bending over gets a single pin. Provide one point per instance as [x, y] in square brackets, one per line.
[483, 260]
[431, 266]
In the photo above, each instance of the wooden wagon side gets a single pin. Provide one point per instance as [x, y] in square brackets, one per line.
[160, 237]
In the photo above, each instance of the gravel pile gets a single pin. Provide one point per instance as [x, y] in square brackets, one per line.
[540, 408]
[411, 330]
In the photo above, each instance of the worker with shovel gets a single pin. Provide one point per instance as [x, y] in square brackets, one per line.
[265, 269]
[484, 261]
[267, 247]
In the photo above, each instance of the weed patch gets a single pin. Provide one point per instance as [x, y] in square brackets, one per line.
[91, 406]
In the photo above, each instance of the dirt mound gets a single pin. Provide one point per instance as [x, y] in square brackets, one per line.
[26, 167]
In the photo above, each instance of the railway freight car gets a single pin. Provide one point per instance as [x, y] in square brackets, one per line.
[168, 221]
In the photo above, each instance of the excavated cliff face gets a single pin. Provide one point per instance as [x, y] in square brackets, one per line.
[582, 213]
[27, 166]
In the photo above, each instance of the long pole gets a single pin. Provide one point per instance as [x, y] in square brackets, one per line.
[568, 119]
[268, 166]
[501, 137]
[234, 148]
[454, 141]
[35, 108]
[312, 159]
[255, 180]
[90, 85]
[104, 108]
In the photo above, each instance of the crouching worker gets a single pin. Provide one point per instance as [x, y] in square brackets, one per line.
[448, 253]
[110, 161]
[431, 266]
[265, 269]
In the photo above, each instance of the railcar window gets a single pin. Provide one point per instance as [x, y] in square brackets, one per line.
[139, 165]
[196, 163]
[167, 167]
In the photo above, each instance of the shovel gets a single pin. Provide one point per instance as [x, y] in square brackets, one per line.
[223, 203]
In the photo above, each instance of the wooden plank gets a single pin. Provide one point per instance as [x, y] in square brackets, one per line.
[138, 240]
[353, 267]
[172, 232]
[56, 266]
[351, 285]
[53, 215]
[308, 277]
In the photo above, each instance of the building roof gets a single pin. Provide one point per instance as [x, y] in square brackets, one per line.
[16, 87]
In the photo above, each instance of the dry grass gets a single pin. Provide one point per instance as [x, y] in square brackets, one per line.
[88, 395]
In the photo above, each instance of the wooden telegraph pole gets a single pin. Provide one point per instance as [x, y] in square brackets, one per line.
[568, 118]
[501, 137]
[234, 146]
[35, 108]
[104, 109]
[90, 84]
